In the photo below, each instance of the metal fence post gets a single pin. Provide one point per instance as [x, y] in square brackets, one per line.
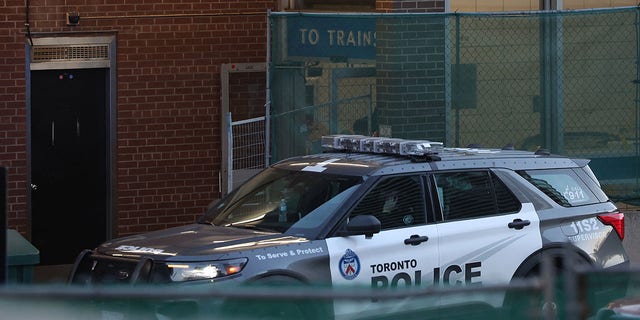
[229, 154]
[3, 226]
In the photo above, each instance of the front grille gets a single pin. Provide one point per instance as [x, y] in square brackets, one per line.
[113, 271]
[94, 268]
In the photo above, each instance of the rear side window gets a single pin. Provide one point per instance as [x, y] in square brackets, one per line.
[564, 186]
[473, 194]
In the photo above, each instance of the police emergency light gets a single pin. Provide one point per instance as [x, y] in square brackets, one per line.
[381, 145]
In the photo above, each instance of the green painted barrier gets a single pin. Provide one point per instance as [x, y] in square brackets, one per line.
[21, 257]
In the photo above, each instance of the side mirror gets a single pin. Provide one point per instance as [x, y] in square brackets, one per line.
[363, 224]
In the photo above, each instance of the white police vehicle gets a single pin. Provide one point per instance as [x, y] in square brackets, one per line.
[382, 213]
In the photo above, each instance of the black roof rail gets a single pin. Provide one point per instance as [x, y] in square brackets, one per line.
[429, 157]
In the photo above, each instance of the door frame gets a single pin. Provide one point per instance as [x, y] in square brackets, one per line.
[57, 52]
[225, 162]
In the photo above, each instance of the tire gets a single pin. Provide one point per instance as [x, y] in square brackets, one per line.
[557, 265]
[266, 308]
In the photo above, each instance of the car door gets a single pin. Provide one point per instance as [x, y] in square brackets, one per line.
[402, 255]
[485, 232]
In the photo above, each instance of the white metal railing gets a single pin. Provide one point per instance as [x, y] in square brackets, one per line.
[246, 149]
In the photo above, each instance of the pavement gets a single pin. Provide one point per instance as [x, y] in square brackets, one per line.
[51, 273]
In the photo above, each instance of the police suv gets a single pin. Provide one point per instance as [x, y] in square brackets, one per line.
[382, 213]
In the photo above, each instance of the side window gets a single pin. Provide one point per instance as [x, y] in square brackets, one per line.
[507, 201]
[396, 201]
[562, 185]
[472, 194]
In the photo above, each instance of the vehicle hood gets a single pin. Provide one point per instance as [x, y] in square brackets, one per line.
[193, 241]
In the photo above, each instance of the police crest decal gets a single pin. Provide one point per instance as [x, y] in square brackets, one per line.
[349, 265]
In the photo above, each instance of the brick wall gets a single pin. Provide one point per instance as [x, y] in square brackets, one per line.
[13, 134]
[410, 85]
[246, 89]
[168, 97]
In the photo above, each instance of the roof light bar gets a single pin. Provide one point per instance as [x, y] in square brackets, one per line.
[347, 142]
[368, 144]
[388, 145]
[419, 147]
[359, 143]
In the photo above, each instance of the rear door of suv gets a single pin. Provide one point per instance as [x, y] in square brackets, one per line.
[484, 230]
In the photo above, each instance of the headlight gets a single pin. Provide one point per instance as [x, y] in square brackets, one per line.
[205, 270]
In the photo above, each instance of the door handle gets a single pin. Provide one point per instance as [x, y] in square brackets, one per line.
[518, 224]
[34, 186]
[415, 240]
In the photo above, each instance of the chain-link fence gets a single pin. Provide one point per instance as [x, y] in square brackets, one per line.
[566, 81]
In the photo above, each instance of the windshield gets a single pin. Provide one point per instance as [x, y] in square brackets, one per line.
[278, 200]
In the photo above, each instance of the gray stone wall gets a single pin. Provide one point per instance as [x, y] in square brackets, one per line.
[632, 236]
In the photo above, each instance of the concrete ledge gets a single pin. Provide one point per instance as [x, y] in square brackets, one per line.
[631, 240]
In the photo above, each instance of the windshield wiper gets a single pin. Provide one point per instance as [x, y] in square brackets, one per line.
[202, 220]
[250, 227]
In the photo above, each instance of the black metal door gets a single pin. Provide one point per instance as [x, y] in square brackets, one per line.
[68, 162]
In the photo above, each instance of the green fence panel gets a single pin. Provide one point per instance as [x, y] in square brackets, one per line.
[565, 81]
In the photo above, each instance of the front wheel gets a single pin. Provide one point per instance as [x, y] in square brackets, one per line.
[286, 305]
